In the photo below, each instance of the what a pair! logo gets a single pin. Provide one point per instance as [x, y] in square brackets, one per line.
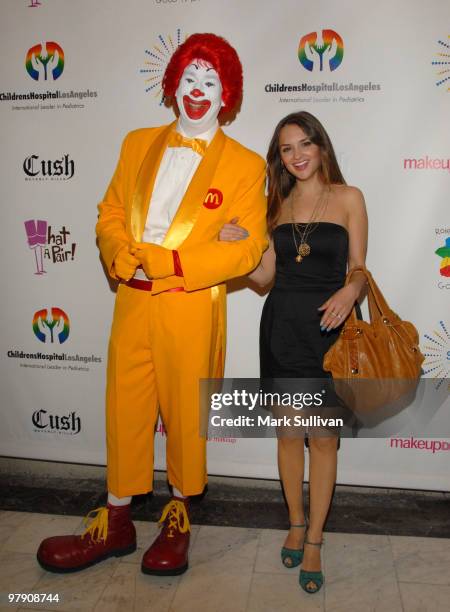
[48, 244]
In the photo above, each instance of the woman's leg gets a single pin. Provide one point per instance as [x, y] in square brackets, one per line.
[291, 464]
[322, 478]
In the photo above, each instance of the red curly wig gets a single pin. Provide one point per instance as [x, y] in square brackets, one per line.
[218, 52]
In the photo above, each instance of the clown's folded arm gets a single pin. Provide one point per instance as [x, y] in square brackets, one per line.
[205, 261]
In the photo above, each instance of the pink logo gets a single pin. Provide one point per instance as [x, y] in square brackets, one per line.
[428, 445]
[48, 244]
[37, 239]
[426, 163]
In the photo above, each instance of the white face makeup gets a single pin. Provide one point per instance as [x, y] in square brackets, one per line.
[199, 97]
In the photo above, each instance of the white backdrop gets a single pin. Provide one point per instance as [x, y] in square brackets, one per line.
[385, 105]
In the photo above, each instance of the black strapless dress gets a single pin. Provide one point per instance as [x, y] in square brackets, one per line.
[291, 342]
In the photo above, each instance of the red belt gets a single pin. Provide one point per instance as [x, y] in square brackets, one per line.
[146, 285]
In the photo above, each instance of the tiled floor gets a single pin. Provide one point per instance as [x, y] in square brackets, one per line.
[231, 568]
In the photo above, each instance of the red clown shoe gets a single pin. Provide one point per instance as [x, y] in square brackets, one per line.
[168, 555]
[110, 534]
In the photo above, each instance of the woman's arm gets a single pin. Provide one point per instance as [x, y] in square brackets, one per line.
[264, 273]
[337, 308]
[358, 230]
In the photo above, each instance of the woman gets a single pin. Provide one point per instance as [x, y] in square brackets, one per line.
[318, 229]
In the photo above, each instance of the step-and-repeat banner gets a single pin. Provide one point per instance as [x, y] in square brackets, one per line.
[78, 75]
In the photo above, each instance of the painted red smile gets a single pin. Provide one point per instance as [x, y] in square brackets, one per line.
[195, 109]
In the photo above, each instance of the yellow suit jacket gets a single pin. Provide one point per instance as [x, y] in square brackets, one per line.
[229, 182]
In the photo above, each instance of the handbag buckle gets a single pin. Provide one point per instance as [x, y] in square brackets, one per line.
[349, 333]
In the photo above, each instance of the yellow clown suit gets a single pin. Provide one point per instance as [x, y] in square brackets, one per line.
[164, 340]
[174, 188]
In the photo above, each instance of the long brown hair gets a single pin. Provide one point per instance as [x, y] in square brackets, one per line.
[280, 181]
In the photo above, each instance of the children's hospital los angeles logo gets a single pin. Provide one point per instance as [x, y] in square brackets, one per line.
[320, 54]
[49, 244]
[45, 61]
[51, 325]
[321, 51]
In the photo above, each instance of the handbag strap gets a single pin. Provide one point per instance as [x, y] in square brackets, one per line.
[378, 307]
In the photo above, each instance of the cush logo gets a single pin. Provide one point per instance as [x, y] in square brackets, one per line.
[214, 199]
[45, 61]
[61, 169]
[158, 57]
[321, 51]
[51, 324]
[437, 354]
[444, 252]
[442, 63]
[54, 423]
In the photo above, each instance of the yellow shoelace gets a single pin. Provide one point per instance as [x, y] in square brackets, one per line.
[178, 517]
[98, 528]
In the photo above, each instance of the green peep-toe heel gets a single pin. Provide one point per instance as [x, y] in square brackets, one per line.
[292, 557]
[305, 577]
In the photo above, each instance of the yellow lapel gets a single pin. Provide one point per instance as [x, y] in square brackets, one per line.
[146, 181]
[191, 204]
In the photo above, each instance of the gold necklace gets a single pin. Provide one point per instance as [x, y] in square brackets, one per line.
[304, 249]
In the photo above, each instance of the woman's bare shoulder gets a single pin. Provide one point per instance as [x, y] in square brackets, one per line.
[347, 192]
[351, 198]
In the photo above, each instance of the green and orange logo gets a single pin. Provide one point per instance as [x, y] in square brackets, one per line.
[444, 252]
[321, 51]
[45, 61]
[51, 325]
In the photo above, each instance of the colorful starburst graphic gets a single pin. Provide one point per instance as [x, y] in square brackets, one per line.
[443, 63]
[437, 354]
[158, 57]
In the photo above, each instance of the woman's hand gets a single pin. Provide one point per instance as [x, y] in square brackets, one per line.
[337, 308]
[231, 231]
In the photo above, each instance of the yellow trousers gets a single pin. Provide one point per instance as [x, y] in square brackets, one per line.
[159, 349]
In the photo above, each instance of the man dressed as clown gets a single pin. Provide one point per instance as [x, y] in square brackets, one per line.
[173, 189]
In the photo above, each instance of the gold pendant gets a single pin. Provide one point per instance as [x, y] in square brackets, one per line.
[304, 249]
[298, 259]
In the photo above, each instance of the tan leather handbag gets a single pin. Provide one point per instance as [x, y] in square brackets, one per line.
[374, 363]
